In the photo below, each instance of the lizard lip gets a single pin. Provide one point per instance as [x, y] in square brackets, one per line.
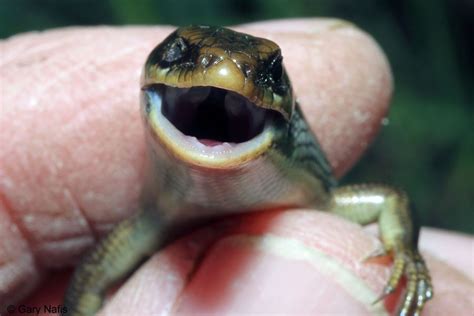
[208, 126]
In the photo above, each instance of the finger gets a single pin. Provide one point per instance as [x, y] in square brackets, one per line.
[293, 262]
[455, 249]
[71, 164]
[72, 145]
[162, 284]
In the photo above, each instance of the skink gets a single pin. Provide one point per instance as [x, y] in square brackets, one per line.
[226, 136]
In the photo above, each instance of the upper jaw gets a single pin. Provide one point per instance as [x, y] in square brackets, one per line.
[224, 73]
[184, 122]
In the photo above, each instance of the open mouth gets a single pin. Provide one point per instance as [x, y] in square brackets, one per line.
[208, 124]
[212, 115]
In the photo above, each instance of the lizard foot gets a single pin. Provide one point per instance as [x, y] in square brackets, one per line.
[419, 289]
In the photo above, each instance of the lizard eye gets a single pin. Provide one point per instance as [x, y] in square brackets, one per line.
[176, 50]
[276, 69]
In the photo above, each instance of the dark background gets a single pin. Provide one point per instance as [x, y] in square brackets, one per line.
[428, 145]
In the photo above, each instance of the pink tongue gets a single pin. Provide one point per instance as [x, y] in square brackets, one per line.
[209, 142]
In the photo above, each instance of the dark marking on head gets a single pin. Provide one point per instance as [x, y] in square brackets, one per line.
[175, 51]
[272, 75]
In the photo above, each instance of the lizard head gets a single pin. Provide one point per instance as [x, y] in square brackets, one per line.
[213, 97]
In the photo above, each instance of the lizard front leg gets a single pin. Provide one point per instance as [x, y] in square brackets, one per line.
[113, 258]
[391, 208]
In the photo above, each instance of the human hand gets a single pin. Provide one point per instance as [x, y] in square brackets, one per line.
[71, 166]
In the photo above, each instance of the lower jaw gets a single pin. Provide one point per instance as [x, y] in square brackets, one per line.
[209, 142]
[205, 152]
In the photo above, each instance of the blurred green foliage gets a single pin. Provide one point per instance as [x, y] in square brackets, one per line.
[428, 145]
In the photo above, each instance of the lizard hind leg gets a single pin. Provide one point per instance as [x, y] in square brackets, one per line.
[367, 203]
[116, 255]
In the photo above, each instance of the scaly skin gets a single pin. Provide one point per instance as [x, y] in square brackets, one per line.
[281, 166]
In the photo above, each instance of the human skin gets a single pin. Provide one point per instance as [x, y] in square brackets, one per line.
[71, 158]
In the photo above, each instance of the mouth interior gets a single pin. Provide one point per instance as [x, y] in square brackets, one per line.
[212, 115]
